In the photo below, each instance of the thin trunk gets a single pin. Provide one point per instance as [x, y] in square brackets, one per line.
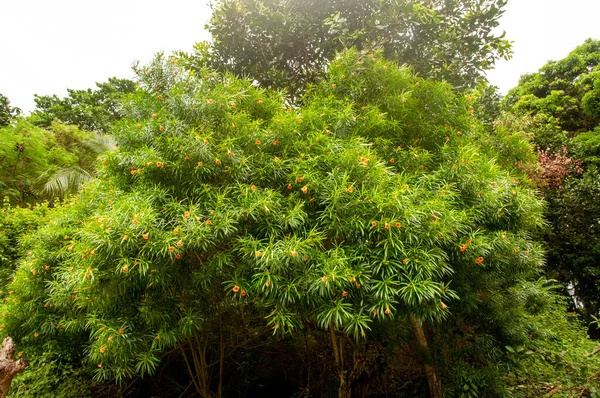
[222, 354]
[433, 378]
[189, 368]
[344, 390]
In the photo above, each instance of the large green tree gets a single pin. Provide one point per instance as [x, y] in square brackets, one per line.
[376, 204]
[286, 44]
[559, 108]
[7, 112]
[91, 109]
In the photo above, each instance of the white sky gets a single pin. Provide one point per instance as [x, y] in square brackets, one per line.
[49, 45]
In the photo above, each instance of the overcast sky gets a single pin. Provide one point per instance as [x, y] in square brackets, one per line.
[47, 46]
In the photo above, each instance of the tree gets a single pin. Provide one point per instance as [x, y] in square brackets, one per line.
[377, 203]
[7, 113]
[559, 107]
[36, 163]
[286, 44]
[92, 110]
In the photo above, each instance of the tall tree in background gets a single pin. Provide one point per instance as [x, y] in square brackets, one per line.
[286, 43]
[92, 110]
[560, 107]
[7, 113]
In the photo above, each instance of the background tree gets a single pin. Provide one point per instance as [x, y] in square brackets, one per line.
[92, 110]
[38, 163]
[7, 113]
[285, 44]
[558, 106]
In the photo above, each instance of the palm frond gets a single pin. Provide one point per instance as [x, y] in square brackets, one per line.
[64, 181]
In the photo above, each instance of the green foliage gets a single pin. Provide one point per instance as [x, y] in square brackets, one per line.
[7, 113]
[563, 91]
[38, 163]
[378, 201]
[48, 376]
[286, 44]
[92, 110]
[16, 222]
[557, 105]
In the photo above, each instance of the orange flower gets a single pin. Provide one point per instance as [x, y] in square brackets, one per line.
[259, 102]
[324, 279]
[405, 261]
[243, 293]
[159, 164]
[294, 253]
[218, 161]
[236, 289]
[344, 294]
[304, 189]
[387, 226]
[387, 311]
[373, 223]
[277, 159]
[132, 172]
[350, 189]
[229, 153]
[179, 243]
[253, 187]
[162, 128]
[199, 164]
[102, 350]
[154, 116]
[444, 306]
[186, 214]
[257, 142]
[171, 249]
[257, 254]
[178, 256]
[464, 247]
[398, 225]
[299, 179]
[289, 186]
[145, 236]
[208, 222]
[275, 142]
[479, 260]
[136, 221]
[205, 142]
[392, 160]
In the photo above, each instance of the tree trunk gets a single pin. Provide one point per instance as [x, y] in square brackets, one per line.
[433, 378]
[345, 390]
[9, 368]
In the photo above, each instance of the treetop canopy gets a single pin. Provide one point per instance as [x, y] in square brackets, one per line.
[376, 199]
